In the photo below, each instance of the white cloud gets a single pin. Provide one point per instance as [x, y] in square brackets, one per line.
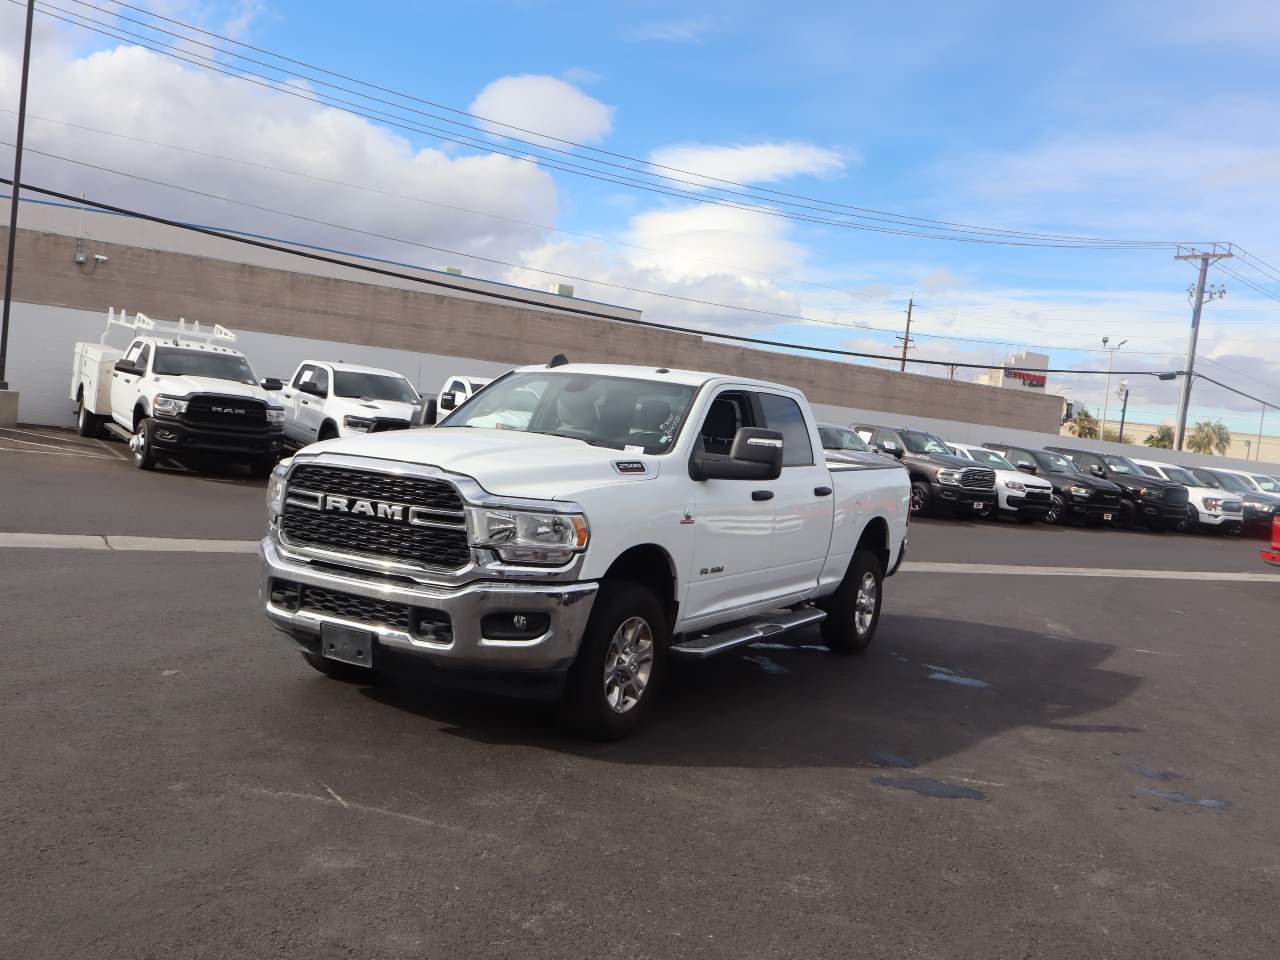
[682, 30]
[546, 104]
[750, 163]
[134, 92]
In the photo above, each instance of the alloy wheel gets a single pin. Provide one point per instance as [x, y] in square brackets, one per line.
[628, 664]
[864, 604]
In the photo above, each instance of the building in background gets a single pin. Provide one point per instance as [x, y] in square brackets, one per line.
[1023, 371]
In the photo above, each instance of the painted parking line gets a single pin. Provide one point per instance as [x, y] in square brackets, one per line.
[64, 541]
[49, 453]
[1019, 570]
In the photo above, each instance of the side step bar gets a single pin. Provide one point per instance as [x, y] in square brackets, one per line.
[117, 431]
[705, 645]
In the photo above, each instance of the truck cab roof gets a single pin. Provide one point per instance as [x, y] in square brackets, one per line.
[693, 378]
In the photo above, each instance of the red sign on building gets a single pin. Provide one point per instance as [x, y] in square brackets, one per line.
[1030, 379]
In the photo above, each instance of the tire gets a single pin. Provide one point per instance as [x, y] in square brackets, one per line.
[853, 611]
[921, 498]
[327, 432]
[621, 664]
[1186, 524]
[1057, 512]
[337, 670]
[1128, 515]
[87, 424]
[142, 447]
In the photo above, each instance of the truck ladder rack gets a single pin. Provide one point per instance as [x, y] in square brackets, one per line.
[703, 645]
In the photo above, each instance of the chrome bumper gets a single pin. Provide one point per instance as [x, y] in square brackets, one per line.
[567, 604]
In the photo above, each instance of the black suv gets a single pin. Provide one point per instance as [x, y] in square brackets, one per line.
[1259, 508]
[1076, 495]
[1155, 503]
[940, 481]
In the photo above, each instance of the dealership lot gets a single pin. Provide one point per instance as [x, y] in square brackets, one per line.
[1054, 765]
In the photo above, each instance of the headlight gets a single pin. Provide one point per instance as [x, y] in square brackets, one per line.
[523, 536]
[359, 424]
[1015, 485]
[275, 415]
[1150, 493]
[950, 477]
[1266, 507]
[275, 490]
[1212, 504]
[168, 406]
[1076, 491]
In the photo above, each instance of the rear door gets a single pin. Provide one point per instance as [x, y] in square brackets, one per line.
[803, 498]
[733, 523]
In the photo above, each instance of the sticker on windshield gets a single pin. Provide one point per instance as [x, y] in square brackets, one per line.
[633, 448]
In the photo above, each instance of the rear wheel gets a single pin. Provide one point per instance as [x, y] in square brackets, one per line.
[337, 670]
[87, 424]
[921, 497]
[143, 446]
[621, 664]
[853, 611]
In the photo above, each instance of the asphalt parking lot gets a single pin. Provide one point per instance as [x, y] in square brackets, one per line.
[1052, 765]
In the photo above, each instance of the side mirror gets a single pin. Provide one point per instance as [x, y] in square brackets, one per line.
[448, 400]
[428, 416]
[1096, 470]
[891, 448]
[313, 388]
[125, 366]
[1027, 468]
[756, 454]
[272, 383]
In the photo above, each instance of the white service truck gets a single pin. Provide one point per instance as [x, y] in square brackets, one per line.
[326, 399]
[177, 390]
[573, 528]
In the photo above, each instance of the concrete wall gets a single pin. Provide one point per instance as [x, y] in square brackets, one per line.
[329, 306]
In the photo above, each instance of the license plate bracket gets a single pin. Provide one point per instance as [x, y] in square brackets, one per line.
[347, 644]
[978, 505]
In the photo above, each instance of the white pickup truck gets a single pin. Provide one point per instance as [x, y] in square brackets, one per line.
[573, 528]
[178, 390]
[326, 399]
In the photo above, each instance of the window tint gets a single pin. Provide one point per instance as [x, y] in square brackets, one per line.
[1207, 478]
[305, 373]
[838, 438]
[322, 379]
[131, 354]
[145, 356]
[1021, 458]
[1150, 471]
[1085, 461]
[1179, 476]
[783, 414]
[727, 413]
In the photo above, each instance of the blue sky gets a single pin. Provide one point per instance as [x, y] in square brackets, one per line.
[1125, 121]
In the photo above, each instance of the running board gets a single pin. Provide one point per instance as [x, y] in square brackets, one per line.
[709, 644]
[116, 430]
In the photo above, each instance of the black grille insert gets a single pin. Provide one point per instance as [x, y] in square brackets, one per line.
[444, 547]
[212, 410]
[348, 606]
[978, 478]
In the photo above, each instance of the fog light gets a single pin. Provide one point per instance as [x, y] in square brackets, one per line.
[515, 626]
[163, 434]
[286, 595]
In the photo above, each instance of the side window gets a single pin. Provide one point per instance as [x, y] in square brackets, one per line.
[1086, 461]
[134, 351]
[321, 378]
[1021, 458]
[457, 386]
[1149, 471]
[728, 411]
[305, 374]
[145, 356]
[865, 434]
[887, 439]
[784, 415]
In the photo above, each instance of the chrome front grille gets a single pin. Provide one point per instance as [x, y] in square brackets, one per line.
[978, 478]
[428, 531]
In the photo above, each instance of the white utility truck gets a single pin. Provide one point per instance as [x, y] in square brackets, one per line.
[573, 528]
[177, 390]
[454, 392]
[326, 399]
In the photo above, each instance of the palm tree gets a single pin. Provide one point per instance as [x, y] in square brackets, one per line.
[1083, 424]
[1209, 437]
[1162, 436]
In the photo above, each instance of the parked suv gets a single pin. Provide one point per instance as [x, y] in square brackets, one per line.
[1210, 508]
[1076, 495]
[940, 481]
[1025, 498]
[1156, 504]
[1259, 508]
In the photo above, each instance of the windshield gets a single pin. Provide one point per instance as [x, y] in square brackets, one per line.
[918, 442]
[1231, 482]
[1124, 465]
[989, 458]
[603, 411]
[838, 438]
[1054, 463]
[199, 363]
[1265, 484]
[1180, 476]
[373, 386]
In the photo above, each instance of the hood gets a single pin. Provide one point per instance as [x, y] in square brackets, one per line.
[1029, 479]
[859, 458]
[1253, 496]
[1136, 483]
[393, 409]
[506, 463]
[944, 460]
[1080, 480]
[184, 386]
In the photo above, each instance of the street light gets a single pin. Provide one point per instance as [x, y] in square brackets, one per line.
[1123, 393]
[1111, 355]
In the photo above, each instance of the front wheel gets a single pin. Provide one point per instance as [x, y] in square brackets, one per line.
[143, 445]
[853, 611]
[1057, 512]
[921, 497]
[621, 663]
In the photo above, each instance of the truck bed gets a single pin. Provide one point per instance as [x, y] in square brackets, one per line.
[91, 367]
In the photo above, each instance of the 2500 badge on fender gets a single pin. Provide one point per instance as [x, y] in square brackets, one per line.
[524, 551]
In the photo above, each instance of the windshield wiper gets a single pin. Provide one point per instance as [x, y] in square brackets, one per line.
[589, 441]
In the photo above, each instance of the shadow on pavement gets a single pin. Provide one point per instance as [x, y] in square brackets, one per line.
[770, 707]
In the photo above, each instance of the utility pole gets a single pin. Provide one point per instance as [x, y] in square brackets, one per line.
[1261, 419]
[1124, 410]
[13, 200]
[1197, 294]
[1106, 392]
[906, 338]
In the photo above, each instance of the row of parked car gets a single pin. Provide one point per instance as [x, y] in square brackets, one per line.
[1062, 485]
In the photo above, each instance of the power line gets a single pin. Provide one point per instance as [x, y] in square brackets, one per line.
[538, 304]
[241, 73]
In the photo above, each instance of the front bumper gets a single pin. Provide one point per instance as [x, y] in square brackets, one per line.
[171, 435]
[1262, 518]
[961, 500]
[1227, 520]
[1089, 511]
[1020, 505]
[566, 605]
[1161, 512]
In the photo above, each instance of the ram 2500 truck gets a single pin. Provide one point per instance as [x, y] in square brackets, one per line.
[178, 390]
[940, 481]
[326, 399]
[574, 528]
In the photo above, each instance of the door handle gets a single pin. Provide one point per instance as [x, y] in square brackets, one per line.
[306, 403]
[822, 491]
[761, 494]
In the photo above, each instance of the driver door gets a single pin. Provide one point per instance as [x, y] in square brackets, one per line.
[309, 389]
[125, 387]
[733, 524]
